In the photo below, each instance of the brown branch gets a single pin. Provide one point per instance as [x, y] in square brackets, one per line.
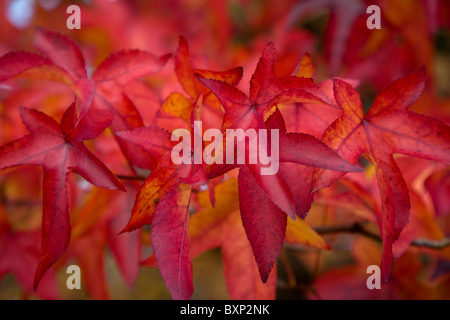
[432, 244]
[358, 228]
[125, 177]
[351, 228]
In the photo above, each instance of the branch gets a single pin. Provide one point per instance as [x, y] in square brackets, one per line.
[358, 228]
[432, 244]
[125, 177]
[351, 228]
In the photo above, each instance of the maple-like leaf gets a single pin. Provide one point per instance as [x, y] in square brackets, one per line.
[186, 74]
[349, 282]
[94, 226]
[263, 219]
[157, 142]
[170, 240]
[92, 262]
[242, 112]
[264, 222]
[179, 106]
[49, 145]
[387, 128]
[266, 200]
[221, 226]
[163, 201]
[276, 199]
[18, 251]
[266, 90]
[306, 68]
[102, 100]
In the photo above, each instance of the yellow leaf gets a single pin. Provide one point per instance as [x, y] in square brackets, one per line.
[298, 232]
[307, 68]
[178, 106]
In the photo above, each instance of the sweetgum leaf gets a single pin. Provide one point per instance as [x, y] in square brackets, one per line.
[170, 241]
[221, 226]
[150, 194]
[387, 128]
[299, 232]
[176, 105]
[181, 106]
[163, 201]
[48, 147]
[307, 67]
[102, 102]
[62, 51]
[242, 112]
[264, 222]
[298, 154]
[186, 74]
[266, 90]
[19, 251]
[95, 225]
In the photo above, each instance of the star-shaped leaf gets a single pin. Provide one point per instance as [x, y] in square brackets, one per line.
[49, 145]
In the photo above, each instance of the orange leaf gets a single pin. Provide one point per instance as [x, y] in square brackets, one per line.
[307, 68]
[299, 232]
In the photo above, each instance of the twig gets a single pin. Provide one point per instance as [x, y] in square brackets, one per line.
[125, 177]
[357, 228]
[432, 244]
[351, 228]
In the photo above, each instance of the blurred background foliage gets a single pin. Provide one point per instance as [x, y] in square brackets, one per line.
[221, 35]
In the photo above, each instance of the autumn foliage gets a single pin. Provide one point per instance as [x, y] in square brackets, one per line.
[86, 119]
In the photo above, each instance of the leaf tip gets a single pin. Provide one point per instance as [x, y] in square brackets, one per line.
[164, 58]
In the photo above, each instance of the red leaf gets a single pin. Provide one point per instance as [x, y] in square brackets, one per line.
[386, 129]
[156, 141]
[248, 113]
[438, 185]
[299, 149]
[62, 51]
[163, 201]
[158, 183]
[14, 63]
[266, 90]
[170, 241]
[264, 222]
[19, 251]
[187, 76]
[124, 66]
[92, 262]
[221, 226]
[186, 72]
[47, 146]
[298, 179]
[103, 101]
